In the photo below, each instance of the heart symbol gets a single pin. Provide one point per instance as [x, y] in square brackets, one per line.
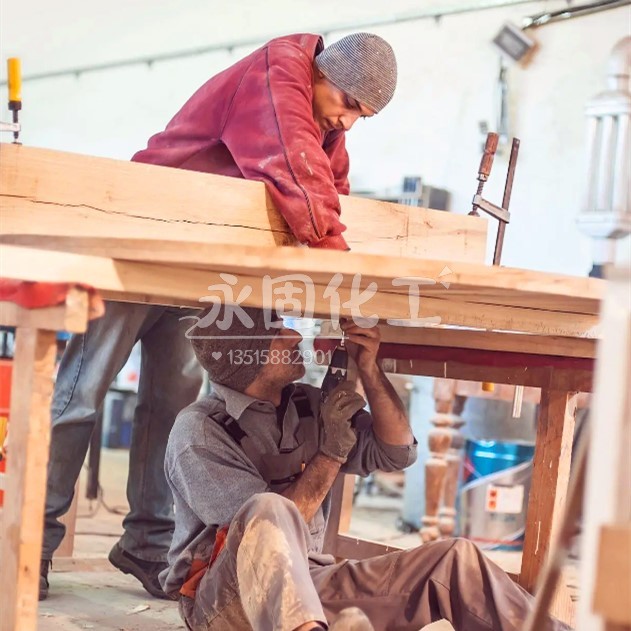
[217, 354]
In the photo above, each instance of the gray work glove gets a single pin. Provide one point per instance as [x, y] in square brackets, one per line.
[336, 413]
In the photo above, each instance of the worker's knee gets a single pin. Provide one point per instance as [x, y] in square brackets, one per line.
[264, 513]
[448, 555]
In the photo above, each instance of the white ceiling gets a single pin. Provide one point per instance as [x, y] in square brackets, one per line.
[50, 36]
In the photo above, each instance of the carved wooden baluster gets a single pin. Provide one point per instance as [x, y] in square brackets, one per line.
[435, 473]
[447, 512]
[441, 469]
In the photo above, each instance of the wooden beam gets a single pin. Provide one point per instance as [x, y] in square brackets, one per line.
[347, 547]
[183, 286]
[550, 478]
[23, 514]
[536, 377]
[56, 193]
[341, 508]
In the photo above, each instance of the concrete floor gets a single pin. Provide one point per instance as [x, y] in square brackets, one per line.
[88, 593]
[105, 600]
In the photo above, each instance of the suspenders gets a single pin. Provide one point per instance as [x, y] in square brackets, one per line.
[303, 406]
[278, 470]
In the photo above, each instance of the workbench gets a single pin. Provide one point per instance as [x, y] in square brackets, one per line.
[138, 233]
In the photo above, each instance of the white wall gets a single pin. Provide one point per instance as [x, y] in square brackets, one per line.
[447, 85]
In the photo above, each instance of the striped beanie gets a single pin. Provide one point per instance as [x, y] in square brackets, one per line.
[364, 66]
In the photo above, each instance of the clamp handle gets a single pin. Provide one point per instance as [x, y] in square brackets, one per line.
[14, 82]
[490, 147]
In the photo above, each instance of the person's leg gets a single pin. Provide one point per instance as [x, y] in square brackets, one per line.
[88, 366]
[170, 379]
[261, 579]
[406, 590]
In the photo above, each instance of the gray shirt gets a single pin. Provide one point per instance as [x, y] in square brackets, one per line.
[211, 477]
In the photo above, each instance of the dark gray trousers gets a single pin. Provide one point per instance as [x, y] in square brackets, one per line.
[263, 580]
[170, 379]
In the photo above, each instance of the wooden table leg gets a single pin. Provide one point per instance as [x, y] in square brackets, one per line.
[447, 512]
[550, 478]
[23, 514]
[441, 469]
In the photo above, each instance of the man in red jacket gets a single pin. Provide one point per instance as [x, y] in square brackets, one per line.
[279, 116]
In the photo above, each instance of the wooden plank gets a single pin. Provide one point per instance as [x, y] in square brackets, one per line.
[445, 279]
[353, 548]
[613, 576]
[550, 478]
[23, 514]
[57, 193]
[71, 316]
[167, 285]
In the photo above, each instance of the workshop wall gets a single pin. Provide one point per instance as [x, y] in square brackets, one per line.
[447, 86]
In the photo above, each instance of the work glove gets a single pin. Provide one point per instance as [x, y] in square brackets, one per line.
[336, 413]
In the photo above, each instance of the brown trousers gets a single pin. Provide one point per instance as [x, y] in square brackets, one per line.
[263, 580]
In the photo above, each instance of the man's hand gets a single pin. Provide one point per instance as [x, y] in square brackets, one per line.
[362, 344]
[336, 413]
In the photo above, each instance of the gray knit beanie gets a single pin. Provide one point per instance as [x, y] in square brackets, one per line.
[364, 66]
[223, 337]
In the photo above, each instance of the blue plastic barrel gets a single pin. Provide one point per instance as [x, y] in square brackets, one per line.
[494, 493]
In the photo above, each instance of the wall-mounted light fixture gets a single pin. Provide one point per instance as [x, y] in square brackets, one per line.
[513, 43]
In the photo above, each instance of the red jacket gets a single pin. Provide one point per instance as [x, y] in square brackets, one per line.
[254, 120]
